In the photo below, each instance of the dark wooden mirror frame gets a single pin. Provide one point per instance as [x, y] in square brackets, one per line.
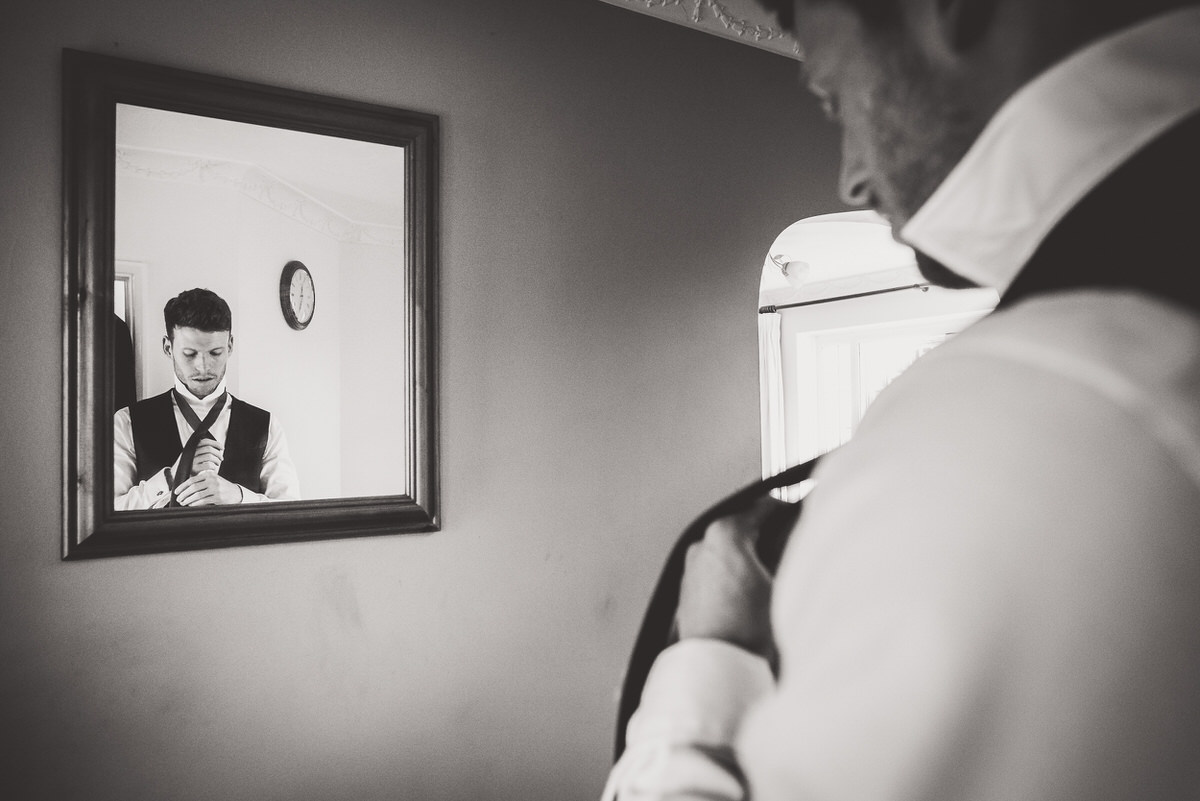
[93, 86]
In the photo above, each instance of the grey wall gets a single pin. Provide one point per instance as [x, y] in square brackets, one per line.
[611, 183]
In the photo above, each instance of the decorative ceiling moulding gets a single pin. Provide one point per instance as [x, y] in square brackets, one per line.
[740, 20]
[258, 184]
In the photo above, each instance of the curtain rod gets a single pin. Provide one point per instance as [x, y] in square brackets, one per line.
[773, 309]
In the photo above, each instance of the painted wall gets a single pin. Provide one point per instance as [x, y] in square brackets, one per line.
[611, 183]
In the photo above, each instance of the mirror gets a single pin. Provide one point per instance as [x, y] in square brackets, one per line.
[314, 220]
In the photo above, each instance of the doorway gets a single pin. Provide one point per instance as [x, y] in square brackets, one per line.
[843, 310]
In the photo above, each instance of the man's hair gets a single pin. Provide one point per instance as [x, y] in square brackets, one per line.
[201, 309]
[875, 13]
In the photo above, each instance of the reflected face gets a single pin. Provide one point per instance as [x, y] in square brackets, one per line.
[199, 357]
[902, 126]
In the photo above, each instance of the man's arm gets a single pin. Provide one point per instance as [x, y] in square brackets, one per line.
[278, 474]
[679, 743]
[128, 492]
[990, 595]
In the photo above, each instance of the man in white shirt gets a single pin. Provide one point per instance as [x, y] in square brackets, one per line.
[992, 592]
[197, 445]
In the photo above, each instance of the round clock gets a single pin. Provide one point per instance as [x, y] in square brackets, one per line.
[297, 297]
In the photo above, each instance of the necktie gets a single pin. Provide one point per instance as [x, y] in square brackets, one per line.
[658, 624]
[199, 431]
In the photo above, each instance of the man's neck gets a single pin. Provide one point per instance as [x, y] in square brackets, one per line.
[1055, 141]
[194, 400]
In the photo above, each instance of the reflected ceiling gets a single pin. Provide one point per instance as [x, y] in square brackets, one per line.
[359, 180]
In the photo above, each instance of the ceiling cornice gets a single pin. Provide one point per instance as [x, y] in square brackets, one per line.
[740, 20]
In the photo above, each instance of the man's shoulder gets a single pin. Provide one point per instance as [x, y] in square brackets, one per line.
[236, 403]
[150, 404]
[248, 411]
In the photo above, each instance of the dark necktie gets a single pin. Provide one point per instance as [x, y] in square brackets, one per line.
[199, 431]
[658, 624]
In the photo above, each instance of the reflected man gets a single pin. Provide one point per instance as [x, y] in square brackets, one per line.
[195, 444]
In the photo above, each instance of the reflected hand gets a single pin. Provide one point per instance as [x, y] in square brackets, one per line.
[207, 488]
[726, 590]
[209, 455]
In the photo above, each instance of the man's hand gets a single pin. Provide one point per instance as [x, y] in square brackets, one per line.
[209, 455]
[726, 591]
[207, 488]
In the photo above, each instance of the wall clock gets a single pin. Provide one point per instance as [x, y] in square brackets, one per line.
[297, 296]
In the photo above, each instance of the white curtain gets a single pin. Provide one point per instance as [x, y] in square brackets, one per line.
[770, 394]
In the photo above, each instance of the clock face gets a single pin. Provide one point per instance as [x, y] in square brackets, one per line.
[297, 295]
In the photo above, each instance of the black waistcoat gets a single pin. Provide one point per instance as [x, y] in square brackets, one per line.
[156, 440]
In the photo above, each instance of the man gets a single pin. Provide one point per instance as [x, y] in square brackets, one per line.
[992, 591]
[197, 445]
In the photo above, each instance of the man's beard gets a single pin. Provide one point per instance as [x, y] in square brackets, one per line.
[923, 126]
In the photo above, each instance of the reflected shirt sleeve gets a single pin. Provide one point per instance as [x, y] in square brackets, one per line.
[278, 475]
[128, 492]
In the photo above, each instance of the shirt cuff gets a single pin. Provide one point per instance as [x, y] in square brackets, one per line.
[158, 487]
[697, 692]
[249, 496]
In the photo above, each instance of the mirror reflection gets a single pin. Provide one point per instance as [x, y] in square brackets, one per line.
[258, 309]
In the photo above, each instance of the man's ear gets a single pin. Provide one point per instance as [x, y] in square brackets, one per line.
[166, 344]
[231, 342]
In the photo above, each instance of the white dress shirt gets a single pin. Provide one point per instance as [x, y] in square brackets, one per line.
[278, 474]
[948, 627]
[1053, 142]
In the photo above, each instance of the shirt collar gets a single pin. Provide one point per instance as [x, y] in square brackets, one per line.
[200, 405]
[1053, 141]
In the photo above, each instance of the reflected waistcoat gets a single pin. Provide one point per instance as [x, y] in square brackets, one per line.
[156, 440]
